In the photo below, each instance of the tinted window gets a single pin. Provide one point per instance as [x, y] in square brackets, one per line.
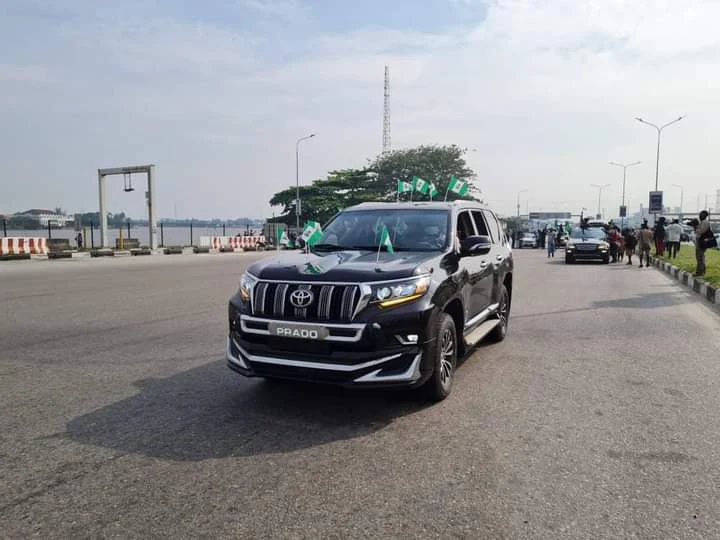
[410, 230]
[482, 229]
[464, 226]
[495, 228]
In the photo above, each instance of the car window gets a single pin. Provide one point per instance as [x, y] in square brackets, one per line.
[480, 225]
[494, 226]
[464, 226]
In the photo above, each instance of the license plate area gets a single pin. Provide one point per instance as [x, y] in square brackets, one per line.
[298, 331]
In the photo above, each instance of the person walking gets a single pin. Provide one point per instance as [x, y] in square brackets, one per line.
[550, 242]
[630, 243]
[703, 239]
[673, 233]
[645, 239]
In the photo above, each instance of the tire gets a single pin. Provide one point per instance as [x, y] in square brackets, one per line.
[569, 259]
[443, 351]
[503, 314]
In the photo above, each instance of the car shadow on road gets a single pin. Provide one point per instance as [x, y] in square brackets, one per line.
[209, 413]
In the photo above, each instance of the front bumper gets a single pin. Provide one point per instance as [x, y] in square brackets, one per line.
[588, 255]
[367, 354]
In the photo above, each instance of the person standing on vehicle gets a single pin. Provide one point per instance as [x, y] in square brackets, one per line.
[673, 232]
[645, 239]
[659, 237]
[550, 242]
[701, 232]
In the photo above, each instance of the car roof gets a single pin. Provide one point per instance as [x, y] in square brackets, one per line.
[421, 205]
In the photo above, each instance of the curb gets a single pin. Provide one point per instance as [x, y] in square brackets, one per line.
[708, 292]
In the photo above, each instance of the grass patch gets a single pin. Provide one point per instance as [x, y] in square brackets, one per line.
[686, 261]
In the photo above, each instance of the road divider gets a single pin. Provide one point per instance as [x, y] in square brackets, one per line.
[20, 245]
[702, 288]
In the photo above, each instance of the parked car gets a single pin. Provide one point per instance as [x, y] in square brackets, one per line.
[351, 315]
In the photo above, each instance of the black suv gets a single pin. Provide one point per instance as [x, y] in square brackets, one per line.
[349, 313]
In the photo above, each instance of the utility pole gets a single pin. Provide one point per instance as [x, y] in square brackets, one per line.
[386, 113]
[624, 167]
[518, 200]
[600, 188]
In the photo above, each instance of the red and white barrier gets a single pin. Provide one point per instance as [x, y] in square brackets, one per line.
[23, 246]
[233, 242]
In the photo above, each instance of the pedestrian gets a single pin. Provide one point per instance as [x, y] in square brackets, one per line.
[659, 237]
[630, 243]
[79, 240]
[673, 233]
[704, 239]
[613, 240]
[645, 239]
[550, 242]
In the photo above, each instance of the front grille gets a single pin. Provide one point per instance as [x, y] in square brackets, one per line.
[330, 302]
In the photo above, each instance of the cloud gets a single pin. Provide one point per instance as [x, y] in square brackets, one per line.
[545, 90]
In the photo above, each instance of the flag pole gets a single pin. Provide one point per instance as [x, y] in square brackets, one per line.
[446, 192]
[377, 261]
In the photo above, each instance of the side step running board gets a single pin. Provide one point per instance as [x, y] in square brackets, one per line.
[474, 337]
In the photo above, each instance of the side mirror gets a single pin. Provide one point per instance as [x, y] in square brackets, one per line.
[476, 245]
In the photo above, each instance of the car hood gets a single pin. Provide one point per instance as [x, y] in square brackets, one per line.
[343, 266]
[590, 241]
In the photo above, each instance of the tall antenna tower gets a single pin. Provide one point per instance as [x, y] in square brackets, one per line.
[386, 114]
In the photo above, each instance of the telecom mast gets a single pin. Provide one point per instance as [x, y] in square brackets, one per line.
[386, 114]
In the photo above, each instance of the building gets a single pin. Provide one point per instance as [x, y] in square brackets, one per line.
[43, 218]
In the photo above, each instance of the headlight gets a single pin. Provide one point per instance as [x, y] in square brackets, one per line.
[392, 294]
[247, 282]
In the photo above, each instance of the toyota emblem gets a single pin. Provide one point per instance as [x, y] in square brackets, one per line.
[301, 298]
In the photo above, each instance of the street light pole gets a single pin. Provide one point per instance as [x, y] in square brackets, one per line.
[624, 167]
[657, 159]
[681, 199]
[600, 188]
[518, 200]
[297, 180]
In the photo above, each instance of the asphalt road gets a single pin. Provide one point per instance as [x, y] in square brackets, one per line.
[598, 417]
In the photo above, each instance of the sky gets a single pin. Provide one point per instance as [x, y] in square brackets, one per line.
[215, 93]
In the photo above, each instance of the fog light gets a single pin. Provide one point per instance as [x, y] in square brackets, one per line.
[408, 339]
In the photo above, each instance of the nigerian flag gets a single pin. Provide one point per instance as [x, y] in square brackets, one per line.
[432, 190]
[282, 237]
[460, 187]
[311, 233]
[385, 241]
[404, 187]
[418, 184]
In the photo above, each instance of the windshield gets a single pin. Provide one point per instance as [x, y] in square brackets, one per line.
[410, 230]
[590, 232]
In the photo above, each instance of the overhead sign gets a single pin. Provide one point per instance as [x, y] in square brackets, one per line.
[550, 215]
[623, 211]
[656, 202]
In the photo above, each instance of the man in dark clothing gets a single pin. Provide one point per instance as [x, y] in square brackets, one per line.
[630, 243]
[659, 237]
[644, 241]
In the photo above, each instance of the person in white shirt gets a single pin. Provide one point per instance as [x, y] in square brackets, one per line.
[673, 232]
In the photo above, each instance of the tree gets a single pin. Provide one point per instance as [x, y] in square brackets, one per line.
[432, 163]
[376, 182]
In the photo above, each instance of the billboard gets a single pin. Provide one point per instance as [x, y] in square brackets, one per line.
[656, 202]
[623, 211]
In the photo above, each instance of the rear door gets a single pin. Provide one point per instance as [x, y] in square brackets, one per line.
[499, 254]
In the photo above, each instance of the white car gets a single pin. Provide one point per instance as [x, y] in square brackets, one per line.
[527, 240]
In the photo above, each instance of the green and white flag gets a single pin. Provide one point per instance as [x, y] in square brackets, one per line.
[460, 187]
[404, 187]
[418, 184]
[432, 190]
[282, 237]
[385, 240]
[312, 233]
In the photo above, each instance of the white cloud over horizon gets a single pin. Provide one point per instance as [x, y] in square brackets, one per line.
[546, 92]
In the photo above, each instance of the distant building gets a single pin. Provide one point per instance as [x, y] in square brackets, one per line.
[45, 217]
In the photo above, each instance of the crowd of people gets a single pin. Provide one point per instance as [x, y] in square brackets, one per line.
[625, 242]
